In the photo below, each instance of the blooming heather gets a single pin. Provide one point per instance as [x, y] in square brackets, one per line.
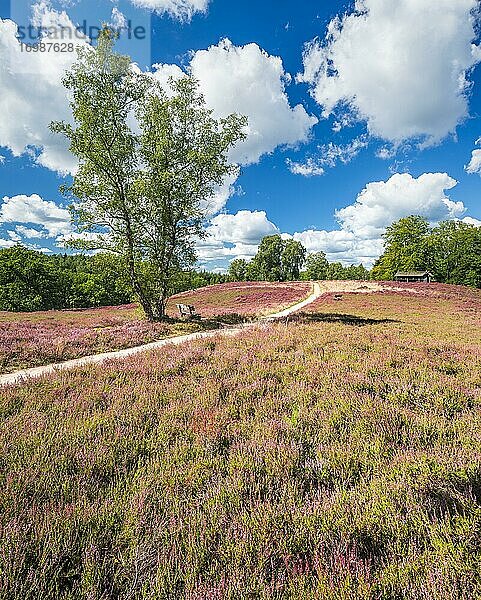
[333, 456]
[32, 339]
[248, 299]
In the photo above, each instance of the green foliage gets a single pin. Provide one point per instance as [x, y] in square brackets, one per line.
[31, 280]
[185, 150]
[358, 273]
[451, 251]
[406, 248]
[238, 270]
[455, 253]
[276, 260]
[282, 260]
[335, 271]
[292, 259]
[316, 266]
[192, 280]
[27, 280]
[143, 195]
[267, 264]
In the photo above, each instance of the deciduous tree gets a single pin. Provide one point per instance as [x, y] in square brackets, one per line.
[148, 166]
[316, 266]
[406, 248]
[238, 269]
[292, 259]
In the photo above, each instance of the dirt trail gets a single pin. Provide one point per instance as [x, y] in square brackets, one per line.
[20, 376]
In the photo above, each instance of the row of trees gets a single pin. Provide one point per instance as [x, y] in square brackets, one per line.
[318, 268]
[31, 280]
[283, 260]
[451, 251]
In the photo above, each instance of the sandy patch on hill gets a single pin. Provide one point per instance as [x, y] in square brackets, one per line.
[360, 287]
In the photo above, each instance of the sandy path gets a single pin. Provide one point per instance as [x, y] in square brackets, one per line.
[19, 376]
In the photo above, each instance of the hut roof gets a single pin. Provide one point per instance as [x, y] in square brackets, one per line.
[412, 273]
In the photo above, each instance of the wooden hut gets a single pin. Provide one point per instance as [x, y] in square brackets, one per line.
[413, 276]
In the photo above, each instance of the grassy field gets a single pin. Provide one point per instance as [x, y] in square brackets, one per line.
[335, 456]
[33, 339]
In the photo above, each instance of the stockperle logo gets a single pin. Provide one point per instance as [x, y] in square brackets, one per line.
[58, 27]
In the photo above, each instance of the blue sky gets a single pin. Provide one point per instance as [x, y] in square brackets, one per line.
[356, 117]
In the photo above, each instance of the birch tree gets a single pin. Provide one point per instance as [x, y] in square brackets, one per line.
[149, 163]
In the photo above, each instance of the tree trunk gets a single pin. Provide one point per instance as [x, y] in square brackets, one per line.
[144, 301]
[137, 287]
[147, 308]
[161, 306]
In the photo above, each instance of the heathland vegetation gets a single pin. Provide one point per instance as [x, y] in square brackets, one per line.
[39, 338]
[336, 456]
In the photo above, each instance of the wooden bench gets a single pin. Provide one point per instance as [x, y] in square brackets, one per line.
[187, 311]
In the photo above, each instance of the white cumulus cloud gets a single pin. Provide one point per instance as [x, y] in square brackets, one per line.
[31, 233]
[34, 210]
[183, 10]
[244, 227]
[474, 165]
[248, 81]
[341, 246]
[358, 239]
[13, 235]
[471, 221]
[244, 79]
[235, 236]
[380, 203]
[402, 67]
[33, 96]
[330, 154]
[361, 224]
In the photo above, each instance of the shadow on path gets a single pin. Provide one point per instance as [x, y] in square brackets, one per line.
[344, 319]
[208, 323]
